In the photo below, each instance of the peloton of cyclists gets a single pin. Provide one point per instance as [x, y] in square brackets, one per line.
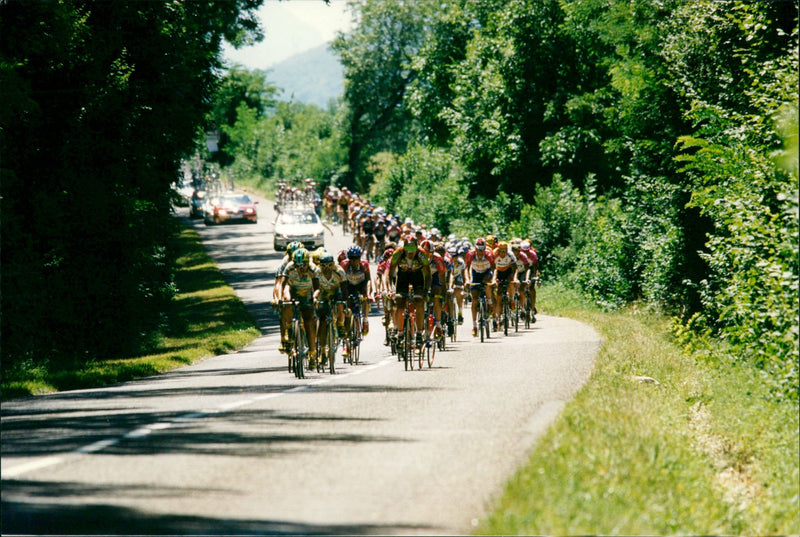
[405, 253]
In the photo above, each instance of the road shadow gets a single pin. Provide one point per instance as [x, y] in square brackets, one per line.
[46, 432]
[52, 518]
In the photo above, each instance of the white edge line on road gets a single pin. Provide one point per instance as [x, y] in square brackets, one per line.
[142, 432]
[16, 471]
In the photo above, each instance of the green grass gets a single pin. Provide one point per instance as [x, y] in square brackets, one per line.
[706, 451]
[206, 319]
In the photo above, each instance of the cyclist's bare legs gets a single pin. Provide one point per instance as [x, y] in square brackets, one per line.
[311, 329]
[286, 322]
[419, 305]
[475, 298]
[397, 315]
[459, 294]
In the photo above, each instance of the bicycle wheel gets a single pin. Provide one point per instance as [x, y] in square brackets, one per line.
[356, 348]
[289, 351]
[453, 320]
[406, 347]
[482, 320]
[426, 345]
[299, 350]
[526, 313]
[487, 321]
[431, 351]
[506, 316]
[331, 348]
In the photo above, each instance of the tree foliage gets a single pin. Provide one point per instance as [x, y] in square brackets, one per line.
[100, 102]
[646, 137]
[376, 58]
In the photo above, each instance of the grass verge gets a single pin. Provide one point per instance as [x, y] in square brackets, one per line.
[206, 319]
[703, 450]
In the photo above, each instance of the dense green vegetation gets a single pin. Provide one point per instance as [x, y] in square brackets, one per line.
[205, 318]
[656, 444]
[649, 149]
[101, 100]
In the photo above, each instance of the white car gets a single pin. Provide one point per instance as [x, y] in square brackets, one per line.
[302, 226]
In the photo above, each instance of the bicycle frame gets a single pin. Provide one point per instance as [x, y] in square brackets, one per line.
[409, 320]
[483, 311]
[354, 333]
[331, 341]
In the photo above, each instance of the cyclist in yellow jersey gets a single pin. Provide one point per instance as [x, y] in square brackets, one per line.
[301, 281]
[331, 282]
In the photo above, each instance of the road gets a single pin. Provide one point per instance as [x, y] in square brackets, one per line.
[237, 445]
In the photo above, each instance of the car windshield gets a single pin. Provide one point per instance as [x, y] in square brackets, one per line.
[236, 200]
[298, 218]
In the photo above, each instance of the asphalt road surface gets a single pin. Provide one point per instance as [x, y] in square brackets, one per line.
[237, 445]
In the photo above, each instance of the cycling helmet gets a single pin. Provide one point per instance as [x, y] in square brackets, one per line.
[389, 252]
[292, 247]
[317, 255]
[426, 245]
[502, 245]
[410, 243]
[326, 259]
[526, 245]
[354, 252]
[480, 243]
[516, 243]
[491, 240]
[301, 257]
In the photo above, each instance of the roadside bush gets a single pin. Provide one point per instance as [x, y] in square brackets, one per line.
[428, 188]
[604, 261]
[558, 211]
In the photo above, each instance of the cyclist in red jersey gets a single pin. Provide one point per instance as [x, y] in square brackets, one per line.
[358, 282]
[382, 292]
[505, 270]
[480, 268]
[523, 269]
[438, 280]
[530, 251]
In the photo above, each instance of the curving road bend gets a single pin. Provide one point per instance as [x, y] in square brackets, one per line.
[237, 445]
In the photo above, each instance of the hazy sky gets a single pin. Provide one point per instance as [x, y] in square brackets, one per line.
[290, 27]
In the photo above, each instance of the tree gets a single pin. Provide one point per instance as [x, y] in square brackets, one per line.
[101, 100]
[239, 87]
[378, 69]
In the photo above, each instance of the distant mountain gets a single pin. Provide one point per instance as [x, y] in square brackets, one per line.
[313, 77]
